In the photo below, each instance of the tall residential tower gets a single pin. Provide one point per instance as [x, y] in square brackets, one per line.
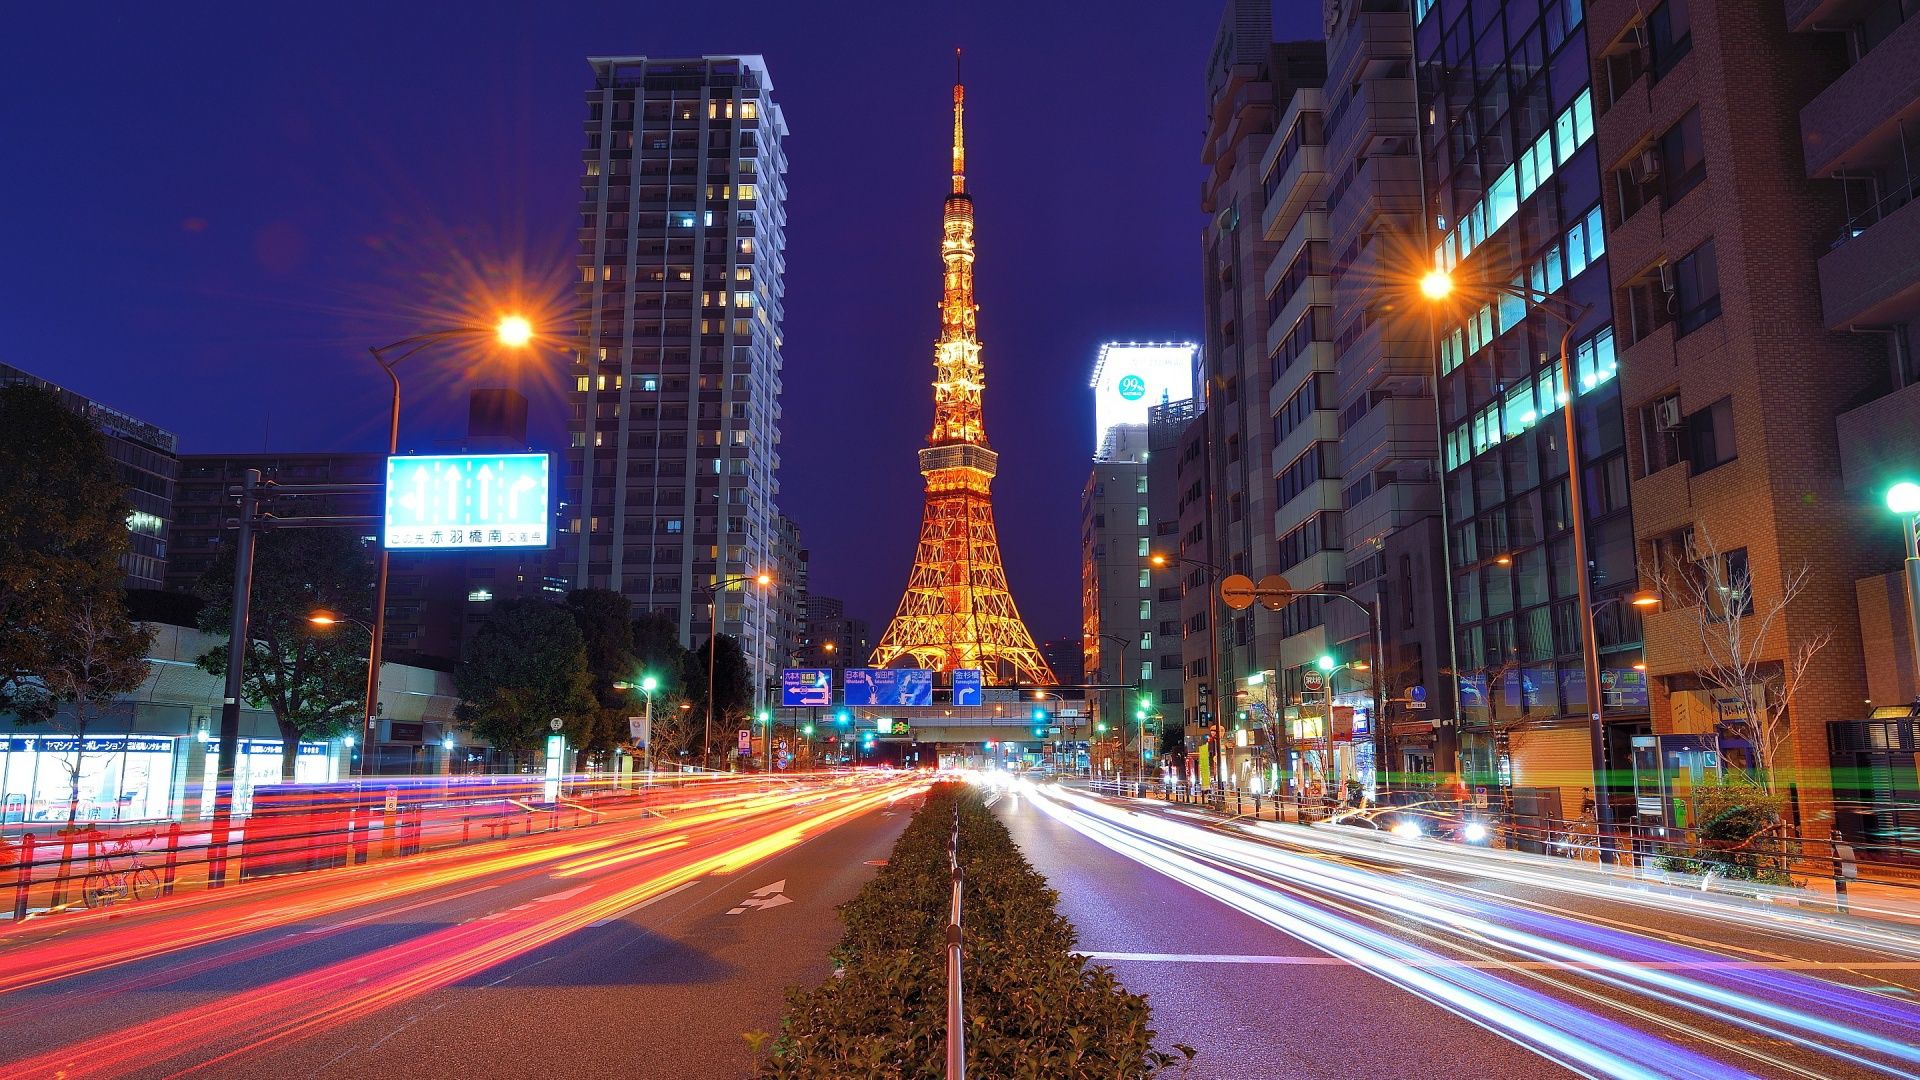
[670, 484]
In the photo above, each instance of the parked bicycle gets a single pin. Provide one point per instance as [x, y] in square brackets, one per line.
[120, 874]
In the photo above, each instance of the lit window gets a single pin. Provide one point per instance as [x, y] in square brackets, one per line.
[1140, 484]
[1143, 547]
[746, 245]
[743, 300]
[743, 273]
[649, 384]
[673, 525]
[1146, 670]
[682, 219]
[586, 273]
[481, 596]
[749, 110]
[1141, 517]
[579, 438]
[1146, 609]
[709, 219]
[580, 384]
[747, 193]
[603, 383]
[1146, 579]
[593, 168]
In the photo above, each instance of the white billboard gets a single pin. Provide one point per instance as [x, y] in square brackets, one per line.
[1130, 377]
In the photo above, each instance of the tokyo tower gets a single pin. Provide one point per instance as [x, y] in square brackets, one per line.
[957, 612]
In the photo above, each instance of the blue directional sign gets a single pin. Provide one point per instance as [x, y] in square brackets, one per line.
[467, 501]
[907, 687]
[801, 687]
[966, 686]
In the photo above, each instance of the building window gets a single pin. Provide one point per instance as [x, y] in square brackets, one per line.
[1710, 436]
[1143, 547]
[749, 110]
[1141, 517]
[1669, 35]
[1146, 579]
[1663, 433]
[1696, 289]
[1146, 671]
[1146, 609]
[1683, 163]
[1140, 485]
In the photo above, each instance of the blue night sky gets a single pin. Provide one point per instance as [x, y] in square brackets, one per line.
[212, 210]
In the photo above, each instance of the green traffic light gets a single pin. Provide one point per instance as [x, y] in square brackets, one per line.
[841, 717]
[1140, 715]
[765, 716]
[807, 731]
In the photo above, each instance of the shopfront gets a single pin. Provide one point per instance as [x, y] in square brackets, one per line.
[99, 778]
[258, 766]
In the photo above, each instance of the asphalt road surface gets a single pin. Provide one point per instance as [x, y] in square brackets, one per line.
[1283, 951]
[638, 948]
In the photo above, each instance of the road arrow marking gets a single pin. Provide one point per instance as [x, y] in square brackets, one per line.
[767, 896]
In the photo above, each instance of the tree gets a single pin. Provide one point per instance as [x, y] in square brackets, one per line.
[604, 620]
[63, 529]
[732, 684]
[313, 679]
[527, 664]
[1733, 629]
[98, 654]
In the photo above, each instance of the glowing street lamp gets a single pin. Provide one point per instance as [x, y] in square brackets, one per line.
[1904, 499]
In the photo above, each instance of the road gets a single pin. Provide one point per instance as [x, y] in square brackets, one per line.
[644, 946]
[1278, 950]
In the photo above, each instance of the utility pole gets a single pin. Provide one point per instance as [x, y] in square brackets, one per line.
[239, 642]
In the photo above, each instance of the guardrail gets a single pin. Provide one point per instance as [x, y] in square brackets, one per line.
[1629, 845]
[310, 829]
[956, 1018]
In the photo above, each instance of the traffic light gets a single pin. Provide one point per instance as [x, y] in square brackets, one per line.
[843, 718]
[1039, 714]
[988, 745]
[765, 716]
[807, 731]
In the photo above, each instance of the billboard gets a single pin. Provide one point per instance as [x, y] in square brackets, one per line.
[888, 686]
[966, 686]
[1130, 377]
[464, 502]
[800, 687]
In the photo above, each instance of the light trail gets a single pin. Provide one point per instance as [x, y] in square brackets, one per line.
[1365, 916]
[615, 874]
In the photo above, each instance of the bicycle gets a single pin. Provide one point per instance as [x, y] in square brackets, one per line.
[1580, 841]
[101, 887]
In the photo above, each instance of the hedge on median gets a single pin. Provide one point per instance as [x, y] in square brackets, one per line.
[1033, 1007]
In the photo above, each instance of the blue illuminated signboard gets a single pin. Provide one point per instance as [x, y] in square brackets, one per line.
[966, 686]
[907, 687]
[800, 687]
[467, 501]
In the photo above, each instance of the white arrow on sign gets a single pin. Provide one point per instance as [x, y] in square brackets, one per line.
[766, 896]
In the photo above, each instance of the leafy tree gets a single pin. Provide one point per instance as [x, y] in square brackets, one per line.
[732, 686]
[313, 679]
[63, 529]
[604, 620]
[526, 664]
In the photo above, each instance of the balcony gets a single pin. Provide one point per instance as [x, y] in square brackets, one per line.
[1375, 40]
[1299, 185]
[1663, 501]
[1874, 277]
[1862, 112]
[1647, 366]
[1381, 108]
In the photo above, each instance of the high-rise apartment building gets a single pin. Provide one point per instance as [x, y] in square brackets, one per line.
[1513, 181]
[834, 639]
[675, 430]
[143, 458]
[1766, 275]
[1385, 538]
[790, 595]
[1267, 338]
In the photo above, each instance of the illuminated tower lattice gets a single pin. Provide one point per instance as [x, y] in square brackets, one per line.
[957, 612]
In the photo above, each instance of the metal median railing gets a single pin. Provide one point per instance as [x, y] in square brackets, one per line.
[956, 1015]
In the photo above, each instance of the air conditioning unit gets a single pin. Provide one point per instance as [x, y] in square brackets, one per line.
[1645, 166]
[1666, 414]
[1666, 278]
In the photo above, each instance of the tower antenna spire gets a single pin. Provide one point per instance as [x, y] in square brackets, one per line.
[959, 138]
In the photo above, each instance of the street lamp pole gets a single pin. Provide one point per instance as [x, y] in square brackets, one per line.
[1904, 499]
[512, 331]
[713, 640]
[1213, 574]
[1437, 285]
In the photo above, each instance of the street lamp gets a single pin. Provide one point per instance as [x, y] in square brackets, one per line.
[1437, 285]
[1904, 499]
[512, 331]
[762, 579]
[326, 620]
[1213, 575]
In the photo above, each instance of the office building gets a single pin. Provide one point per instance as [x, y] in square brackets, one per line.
[1512, 181]
[144, 460]
[1384, 540]
[1267, 334]
[674, 434]
[1177, 506]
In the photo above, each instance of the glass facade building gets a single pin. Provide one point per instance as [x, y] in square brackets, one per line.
[1512, 189]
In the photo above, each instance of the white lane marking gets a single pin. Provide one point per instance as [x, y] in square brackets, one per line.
[649, 900]
[1527, 965]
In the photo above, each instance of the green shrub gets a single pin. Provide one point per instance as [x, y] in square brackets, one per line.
[1736, 834]
[1033, 1008]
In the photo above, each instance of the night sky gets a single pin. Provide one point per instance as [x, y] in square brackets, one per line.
[211, 211]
